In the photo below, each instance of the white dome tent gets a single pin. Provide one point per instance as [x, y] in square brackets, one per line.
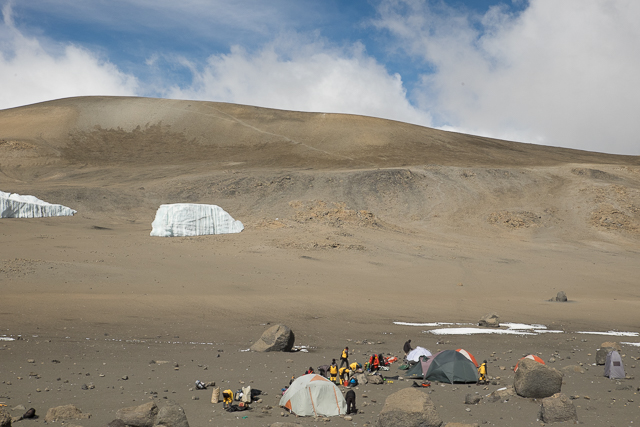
[313, 395]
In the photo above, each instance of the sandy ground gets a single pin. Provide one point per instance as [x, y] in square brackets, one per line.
[351, 224]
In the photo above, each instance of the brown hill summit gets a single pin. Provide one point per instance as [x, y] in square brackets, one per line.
[125, 156]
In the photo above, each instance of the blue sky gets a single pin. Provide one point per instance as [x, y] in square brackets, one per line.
[562, 73]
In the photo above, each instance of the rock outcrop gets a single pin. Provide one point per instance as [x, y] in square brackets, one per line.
[606, 348]
[410, 407]
[533, 379]
[491, 320]
[65, 413]
[276, 338]
[557, 408]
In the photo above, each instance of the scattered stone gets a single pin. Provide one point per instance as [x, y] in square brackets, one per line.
[281, 424]
[348, 418]
[461, 425]
[472, 399]
[117, 423]
[557, 408]
[501, 395]
[276, 338]
[561, 297]
[533, 379]
[362, 379]
[31, 361]
[125, 377]
[574, 369]
[65, 412]
[491, 320]
[408, 408]
[138, 416]
[376, 379]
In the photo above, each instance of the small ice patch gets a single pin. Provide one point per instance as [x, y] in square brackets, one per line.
[636, 344]
[7, 339]
[611, 333]
[433, 324]
[522, 326]
[477, 331]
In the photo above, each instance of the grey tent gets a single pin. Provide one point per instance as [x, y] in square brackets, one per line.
[613, 367]
[448, 366]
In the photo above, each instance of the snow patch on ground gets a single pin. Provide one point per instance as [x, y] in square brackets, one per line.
[611, 333]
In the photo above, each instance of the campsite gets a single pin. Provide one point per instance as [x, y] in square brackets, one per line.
[353, 231]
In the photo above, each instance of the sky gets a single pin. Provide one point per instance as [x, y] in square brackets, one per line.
[560, 73]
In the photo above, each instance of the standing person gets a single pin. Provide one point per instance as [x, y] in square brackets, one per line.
[407, 348]
[344, 357]
[350, 397]
[482, 373]
[333, 371]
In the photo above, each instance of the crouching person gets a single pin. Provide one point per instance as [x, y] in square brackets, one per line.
[350, 397]
[227, 399]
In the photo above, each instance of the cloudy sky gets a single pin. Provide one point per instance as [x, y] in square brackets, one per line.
[563, 73]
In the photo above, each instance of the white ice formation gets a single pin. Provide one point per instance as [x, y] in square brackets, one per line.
[17, 206]
[188, 219]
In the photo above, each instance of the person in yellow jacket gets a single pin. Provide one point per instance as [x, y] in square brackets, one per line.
[344, 357]
[344, 374]
[482, 372]
[333, 371]
[355, 366]
[227, 398]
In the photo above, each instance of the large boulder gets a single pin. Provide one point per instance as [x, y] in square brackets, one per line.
[491, 320]
[138, 416]
[606, 348]
[409, 407]
[5, 418]
[561, 297]
[533, 379]
[557, 408]
[276, 338]
[361, 378]
[65, 413]
[171, 415]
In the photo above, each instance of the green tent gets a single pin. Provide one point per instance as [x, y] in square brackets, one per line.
[448, 366]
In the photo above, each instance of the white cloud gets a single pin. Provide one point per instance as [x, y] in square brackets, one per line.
[307, 76]
[560, 73]
[29, 73]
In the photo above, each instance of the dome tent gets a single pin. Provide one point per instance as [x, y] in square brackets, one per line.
[448, 366]
[313, 395]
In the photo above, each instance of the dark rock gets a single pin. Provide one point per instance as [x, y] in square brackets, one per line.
[117, 423]
[276, 338]
[472, 399]
[5, 418]
[138, 416]
[491, 320]
[533, 379]
[561, 297]
[557, 408]
[409, 407]
[171, 415]
[65, 412]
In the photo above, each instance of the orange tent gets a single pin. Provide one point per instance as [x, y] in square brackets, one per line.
[532, 357]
